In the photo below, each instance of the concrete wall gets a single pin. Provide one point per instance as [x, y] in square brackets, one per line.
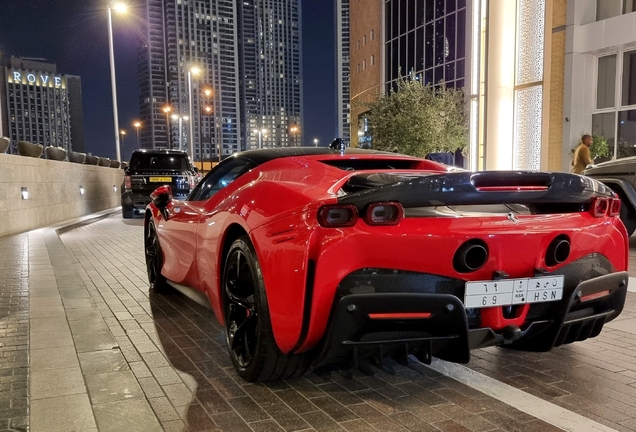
[54, 192]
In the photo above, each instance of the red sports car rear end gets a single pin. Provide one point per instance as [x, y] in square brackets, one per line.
[314, 259]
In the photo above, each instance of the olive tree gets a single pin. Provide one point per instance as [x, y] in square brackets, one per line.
[417, 119]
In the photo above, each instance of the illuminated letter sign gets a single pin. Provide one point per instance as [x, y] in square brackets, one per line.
[31, 78]
[58, 81]
[44, 79]
[17, 76]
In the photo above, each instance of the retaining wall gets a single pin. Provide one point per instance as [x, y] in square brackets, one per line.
[54, 192]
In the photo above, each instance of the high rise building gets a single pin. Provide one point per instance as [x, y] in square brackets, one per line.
[189, 73]
[39, 105]
[228, 71]
[270, 73]
[343, 104]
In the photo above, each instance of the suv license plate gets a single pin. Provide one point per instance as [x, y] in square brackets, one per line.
[160, 179]
[507, 292]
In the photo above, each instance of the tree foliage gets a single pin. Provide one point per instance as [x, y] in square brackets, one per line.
[418, 119]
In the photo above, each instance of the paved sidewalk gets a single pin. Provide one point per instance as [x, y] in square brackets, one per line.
[106, 355]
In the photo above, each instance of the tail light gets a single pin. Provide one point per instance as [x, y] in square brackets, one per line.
[127, 182]
[338, 216]
[387, 213]
[599, 207]
[615, 207]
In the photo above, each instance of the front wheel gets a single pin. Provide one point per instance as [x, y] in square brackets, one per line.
[154, 260]
[248, 328]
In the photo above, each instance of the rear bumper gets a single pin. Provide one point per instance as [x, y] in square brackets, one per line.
[139, 201]
[365, 325]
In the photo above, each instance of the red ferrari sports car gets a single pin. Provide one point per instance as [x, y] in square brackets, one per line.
[310, 257]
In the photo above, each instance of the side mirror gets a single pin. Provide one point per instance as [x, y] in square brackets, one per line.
[161, 197]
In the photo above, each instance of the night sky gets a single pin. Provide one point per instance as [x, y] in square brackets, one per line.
[74, 35]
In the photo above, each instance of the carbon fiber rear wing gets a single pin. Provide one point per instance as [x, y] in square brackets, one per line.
[534, 189]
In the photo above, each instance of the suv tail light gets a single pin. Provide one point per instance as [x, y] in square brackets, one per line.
[386, 213]
[599, 207]
[338, 216]
[615, 207]
[127, 182]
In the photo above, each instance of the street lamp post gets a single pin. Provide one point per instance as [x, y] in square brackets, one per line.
[192, 71]
[123, 134]
[316, 142]
[120, 8]
[261, 132]
[181, 120]
[167, 110]
[137, 125]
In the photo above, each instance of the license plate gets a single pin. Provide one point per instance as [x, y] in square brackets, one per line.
[160, 179]
[507, 292]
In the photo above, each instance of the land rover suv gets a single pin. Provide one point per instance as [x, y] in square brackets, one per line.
[149, 169]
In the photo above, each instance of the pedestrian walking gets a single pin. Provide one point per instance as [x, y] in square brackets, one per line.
[582, 157]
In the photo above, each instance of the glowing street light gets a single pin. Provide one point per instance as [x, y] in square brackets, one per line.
[123, 134]
[120, 8]
[137, 125]
[260, 133]
[316, 142]
[194, 70]
[181, 120]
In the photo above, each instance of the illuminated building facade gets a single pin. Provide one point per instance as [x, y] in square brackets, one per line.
[39, 105]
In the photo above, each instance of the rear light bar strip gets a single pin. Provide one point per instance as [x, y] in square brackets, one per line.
[400, 315]
[512, 188]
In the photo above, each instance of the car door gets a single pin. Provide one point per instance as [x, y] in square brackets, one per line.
[211, 192]
[179, 231]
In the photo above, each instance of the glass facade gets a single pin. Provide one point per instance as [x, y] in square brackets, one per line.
[427, 37]
[610, 8]
[615, 115]
[343, 69]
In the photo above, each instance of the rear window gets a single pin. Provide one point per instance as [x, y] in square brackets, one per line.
[159, 162]
[372, 164]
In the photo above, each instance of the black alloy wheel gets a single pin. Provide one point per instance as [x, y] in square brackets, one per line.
[241, 314]
[154, 260]
[248, 329]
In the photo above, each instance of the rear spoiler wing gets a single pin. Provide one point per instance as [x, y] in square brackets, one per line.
[490, 187]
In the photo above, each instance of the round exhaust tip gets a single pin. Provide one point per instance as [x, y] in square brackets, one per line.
[470, 256]
[558, 251]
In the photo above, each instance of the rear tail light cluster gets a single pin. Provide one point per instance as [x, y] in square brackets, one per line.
[127, 182]
[378, 214]
[605, 206]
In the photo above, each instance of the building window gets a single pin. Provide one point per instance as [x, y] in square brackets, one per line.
[364, 40]
[610, 8]
[364, 64]
[615, 117]
[372, 60]
[372, 34]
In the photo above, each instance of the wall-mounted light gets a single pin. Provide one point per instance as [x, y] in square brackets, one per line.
[24, 193]
[114, 188]
[82, 191]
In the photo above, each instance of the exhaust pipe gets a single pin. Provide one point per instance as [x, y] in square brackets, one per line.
[470, 256]
[558, 251]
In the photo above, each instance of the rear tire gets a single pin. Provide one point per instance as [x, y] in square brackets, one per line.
[628, 218]
[127, 212]
[154, 261]
[248, 328]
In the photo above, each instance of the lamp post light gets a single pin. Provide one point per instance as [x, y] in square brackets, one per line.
[137, 125]
[181, 120]
[194, 70]
[261, 132]
[167, 110]
[294, 131]
[316, 142]
[119, 8]
[123, 134]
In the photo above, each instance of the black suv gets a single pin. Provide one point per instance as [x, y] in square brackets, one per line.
[149, 169]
